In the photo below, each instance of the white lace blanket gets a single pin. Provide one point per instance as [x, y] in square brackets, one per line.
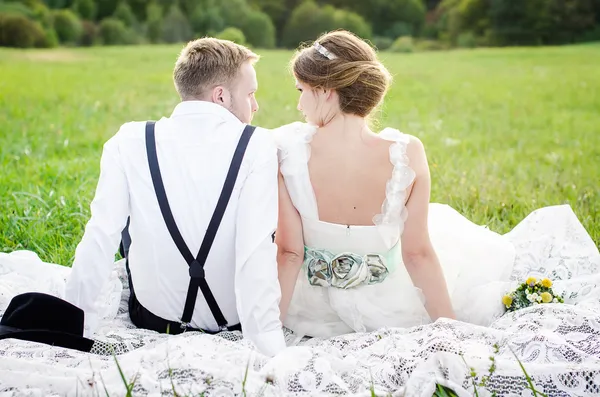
[558, 344]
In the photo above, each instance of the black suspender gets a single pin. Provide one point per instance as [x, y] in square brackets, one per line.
[197, 279]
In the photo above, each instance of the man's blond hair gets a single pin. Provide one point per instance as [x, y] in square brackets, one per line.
[206, 63]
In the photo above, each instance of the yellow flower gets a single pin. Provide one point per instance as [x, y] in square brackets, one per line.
[547, 283]
[507, 300]
[546, 297]
[531, 281]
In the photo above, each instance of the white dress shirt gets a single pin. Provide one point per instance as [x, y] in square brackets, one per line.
[195, 147]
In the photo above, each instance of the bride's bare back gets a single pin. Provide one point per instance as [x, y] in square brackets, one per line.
[349, 177]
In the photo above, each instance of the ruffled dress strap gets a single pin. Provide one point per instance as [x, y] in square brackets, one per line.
[393, 211]
[293, 149]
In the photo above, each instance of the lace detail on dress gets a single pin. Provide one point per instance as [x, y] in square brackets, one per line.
[393, 210]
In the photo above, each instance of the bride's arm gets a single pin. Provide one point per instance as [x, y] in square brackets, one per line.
[290, 247]
[418, 254]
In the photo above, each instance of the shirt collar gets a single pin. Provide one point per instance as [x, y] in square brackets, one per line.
[185, 108]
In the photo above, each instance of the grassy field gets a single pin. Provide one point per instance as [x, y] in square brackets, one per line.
[507, 130]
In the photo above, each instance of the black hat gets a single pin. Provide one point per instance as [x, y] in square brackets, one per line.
[43, 318]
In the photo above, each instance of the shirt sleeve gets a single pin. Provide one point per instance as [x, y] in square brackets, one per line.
[95, 254]
[256, 282]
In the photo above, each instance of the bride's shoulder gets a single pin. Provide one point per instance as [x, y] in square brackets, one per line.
[292, 134]
[406, 152]
[395, 135]
[407, 144]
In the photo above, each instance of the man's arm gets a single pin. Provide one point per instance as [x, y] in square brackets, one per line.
[95, 254]
[256, 283]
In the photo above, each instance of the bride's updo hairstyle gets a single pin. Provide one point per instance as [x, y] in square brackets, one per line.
[343, 62]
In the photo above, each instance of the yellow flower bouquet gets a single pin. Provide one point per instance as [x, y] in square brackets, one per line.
[531, 292]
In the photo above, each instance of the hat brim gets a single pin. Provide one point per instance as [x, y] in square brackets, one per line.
[5, 329]
[47, 337]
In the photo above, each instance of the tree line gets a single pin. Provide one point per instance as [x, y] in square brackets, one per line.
[400, 25]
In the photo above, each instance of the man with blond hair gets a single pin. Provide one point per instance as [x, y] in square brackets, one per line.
[200, 181]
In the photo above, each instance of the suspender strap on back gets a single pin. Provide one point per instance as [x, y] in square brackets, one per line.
[196, 264]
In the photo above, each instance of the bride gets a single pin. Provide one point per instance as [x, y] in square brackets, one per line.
[360, 246]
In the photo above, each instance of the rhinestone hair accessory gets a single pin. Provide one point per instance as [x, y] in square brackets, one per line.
[324, 51]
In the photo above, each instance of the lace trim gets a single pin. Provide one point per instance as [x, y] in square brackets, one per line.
[393, 210]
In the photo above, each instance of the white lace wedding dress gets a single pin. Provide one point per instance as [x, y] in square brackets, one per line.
[559, 344]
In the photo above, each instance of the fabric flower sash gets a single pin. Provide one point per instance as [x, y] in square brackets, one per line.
[346, 270]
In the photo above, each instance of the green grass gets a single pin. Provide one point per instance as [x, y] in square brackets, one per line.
[507, 130]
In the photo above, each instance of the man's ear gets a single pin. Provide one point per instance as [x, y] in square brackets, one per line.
[218, 95]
